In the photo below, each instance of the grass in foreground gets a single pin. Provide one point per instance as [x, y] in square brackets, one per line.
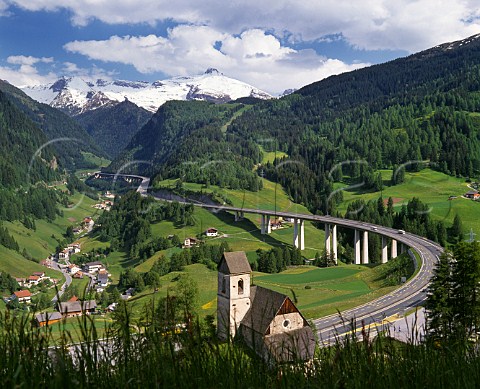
[160, 356]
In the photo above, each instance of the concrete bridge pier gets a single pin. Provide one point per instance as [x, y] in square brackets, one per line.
[394, 249]
[239, 215]
[365, 248]
[334, 243]
[328, 240]
[299, 234]
[356, 247]
[265, 226]
[384, 250]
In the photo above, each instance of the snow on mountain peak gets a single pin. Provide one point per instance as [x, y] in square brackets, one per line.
[75, 95]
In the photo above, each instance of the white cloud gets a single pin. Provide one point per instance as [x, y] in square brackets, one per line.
[253, 57]
[24, 70]
[27, 60]
[90, 74]
[367, 24]
[231, 35]
[4, 8]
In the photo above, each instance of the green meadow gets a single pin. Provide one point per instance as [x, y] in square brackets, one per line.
[317, 291]
[43, 241]
[245, 235]
[431, 187]
[18, 266]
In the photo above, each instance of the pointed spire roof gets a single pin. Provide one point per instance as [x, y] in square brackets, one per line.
[234, 263]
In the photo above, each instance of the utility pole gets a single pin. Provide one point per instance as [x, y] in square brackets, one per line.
[471, 236]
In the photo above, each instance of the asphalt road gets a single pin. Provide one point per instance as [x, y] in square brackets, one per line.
[68, 281]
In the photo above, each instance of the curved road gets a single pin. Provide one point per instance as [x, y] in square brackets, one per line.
[411, 294]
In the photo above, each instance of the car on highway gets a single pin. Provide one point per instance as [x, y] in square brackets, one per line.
[401, 231]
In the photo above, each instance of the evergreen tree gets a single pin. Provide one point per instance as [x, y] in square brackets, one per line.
[439, 303]
[456, 231]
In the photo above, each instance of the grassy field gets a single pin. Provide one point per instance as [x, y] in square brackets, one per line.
[317, 291]
[434, 189]
[245, 235]
[269, 156]
[18, 266]
[40, 243]
[207, 286]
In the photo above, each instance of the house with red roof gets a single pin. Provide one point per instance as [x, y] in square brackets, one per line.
[23, 296]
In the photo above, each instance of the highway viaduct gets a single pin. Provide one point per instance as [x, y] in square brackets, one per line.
[410, 294]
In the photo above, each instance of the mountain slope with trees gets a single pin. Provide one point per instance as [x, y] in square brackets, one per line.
[112, 127]
[188, 140]
[420, 108]
[68, 138]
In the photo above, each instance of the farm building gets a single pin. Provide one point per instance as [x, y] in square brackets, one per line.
[49, 318]
[211, 232]
[472, 194]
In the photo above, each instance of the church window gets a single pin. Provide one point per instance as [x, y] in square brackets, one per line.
[224, 285]
[240, 286]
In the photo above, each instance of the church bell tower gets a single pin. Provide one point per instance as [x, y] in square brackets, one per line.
[233, 293]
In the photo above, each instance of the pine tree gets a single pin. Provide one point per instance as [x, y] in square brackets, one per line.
[465, 292]
[456, 231]
[438, 305]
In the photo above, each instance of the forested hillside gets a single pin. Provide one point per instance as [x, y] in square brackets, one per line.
[20, 139]
[188, 140]
[113, 127]
[70, 138]
[24, 167]
[420, 108]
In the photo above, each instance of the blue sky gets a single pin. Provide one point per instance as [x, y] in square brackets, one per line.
[271, 44]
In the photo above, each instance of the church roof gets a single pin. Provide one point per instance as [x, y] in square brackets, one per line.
[265, 305]
[234, 263]
[294, 345]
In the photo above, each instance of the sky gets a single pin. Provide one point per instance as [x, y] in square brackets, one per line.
[273, 45]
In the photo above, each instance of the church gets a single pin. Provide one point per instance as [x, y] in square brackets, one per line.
[268, 321]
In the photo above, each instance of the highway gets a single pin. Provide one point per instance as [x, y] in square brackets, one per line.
[409, 295]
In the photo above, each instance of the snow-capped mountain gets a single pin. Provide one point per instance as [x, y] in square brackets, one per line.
[75, 95]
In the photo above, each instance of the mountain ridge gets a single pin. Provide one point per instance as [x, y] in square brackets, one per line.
[75, 96]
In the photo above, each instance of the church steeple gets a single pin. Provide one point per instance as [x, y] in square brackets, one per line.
[233, 294]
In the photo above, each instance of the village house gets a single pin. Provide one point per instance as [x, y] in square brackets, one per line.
[46, 263]
[73, 269]
[211, 232]
[88, 222]
[64, 254]
[23, 296]
[276, 224]
[93, 267]
[78, 275]
[189, 242]
[74, 248]
[42, 319]
[268, 321]
[472, 194]
[39, 274]
[102, 280]
[109, 195]
[77, 308]
[21, 281]
[33, 280]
